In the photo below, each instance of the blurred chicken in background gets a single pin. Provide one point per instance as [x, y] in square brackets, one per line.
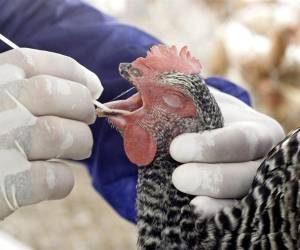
[259, 47]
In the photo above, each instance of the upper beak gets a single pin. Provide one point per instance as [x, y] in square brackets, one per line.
[124, 70]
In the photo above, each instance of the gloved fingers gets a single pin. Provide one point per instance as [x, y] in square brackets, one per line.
[237, 142]
[36, 182]
[207, 207]
[50, 180]
[222, 180]
[47, 95]
[45, 137]
[36, 62]
[9, 73]
[54, 137]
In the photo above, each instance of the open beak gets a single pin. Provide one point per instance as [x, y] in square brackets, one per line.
[120, 112]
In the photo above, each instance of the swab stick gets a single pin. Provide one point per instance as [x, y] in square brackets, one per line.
[8, 42]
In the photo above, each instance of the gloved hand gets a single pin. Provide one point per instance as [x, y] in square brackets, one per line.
[220, 165]
[46, 104]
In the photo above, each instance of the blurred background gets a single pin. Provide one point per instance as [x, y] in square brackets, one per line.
[253, 43]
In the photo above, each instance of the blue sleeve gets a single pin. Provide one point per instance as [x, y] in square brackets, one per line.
[100, 43]
[229, 88]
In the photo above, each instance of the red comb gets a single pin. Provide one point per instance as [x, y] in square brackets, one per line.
[162, 58]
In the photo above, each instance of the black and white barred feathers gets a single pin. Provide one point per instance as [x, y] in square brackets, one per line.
[267, 218]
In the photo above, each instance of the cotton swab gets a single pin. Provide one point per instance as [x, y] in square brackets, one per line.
[8, 42]
[103, 111]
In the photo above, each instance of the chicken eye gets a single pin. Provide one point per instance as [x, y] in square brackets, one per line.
[135, 72]
[173, 100]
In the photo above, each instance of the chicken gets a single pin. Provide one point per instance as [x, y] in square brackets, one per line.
[172, 99]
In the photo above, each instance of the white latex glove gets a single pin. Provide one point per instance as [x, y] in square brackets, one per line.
[46, 104]
[220, 165]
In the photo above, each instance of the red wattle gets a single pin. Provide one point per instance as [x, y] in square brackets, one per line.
[139, 144]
